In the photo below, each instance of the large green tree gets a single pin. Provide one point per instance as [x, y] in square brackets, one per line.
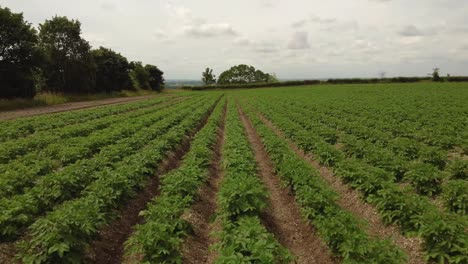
[18, 55]
[69, 65]
[241, 74]
[156, 79]
[112, 70]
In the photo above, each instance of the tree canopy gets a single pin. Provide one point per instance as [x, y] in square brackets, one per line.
[69, 65]
[156, 79]
[19, 55]
[112, 70]
[241, 74]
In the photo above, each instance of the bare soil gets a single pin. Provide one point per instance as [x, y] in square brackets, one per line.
[283, 217]
[8, 115]
[108, 248]
[196, 248]
[7, 253]
[350, 200]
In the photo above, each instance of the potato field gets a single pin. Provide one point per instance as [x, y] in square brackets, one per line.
[373, 173]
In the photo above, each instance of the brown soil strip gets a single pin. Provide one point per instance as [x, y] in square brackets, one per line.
[109, 247]
[196, 248]
[350, 200]
[68, 107]
[283, 217]
[8, 253]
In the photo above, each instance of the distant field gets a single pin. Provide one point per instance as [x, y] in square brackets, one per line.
[319, 174]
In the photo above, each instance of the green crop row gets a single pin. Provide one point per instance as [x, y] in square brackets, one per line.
[63, 235]
[160, 237]
[241, 199]
[422, 174]
[344, 233]
[444, 234]
[50, 190]
[23, 172]
[13, 129]
[13, 149]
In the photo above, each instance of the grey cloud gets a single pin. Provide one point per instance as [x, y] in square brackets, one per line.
[207, 30]
[243, 41]
[314, 20]
[299, 23]
[258, 46]
[109, 6]
[410, 31]
[321, 20]
[300, 40]
[266, 3]
[266, 49]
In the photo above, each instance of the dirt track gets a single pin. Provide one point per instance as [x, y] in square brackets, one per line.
[7, 115]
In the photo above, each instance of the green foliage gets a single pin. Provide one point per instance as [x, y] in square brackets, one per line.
[241, 74]
[49, 155]
[455, 196]
[69, 66]
[458, 169]
[140, 76]
[445, 238]
[19, 55]
[375, 161]
[343, 232]
[59, 186]
[112, 70]
[208, 78]
[241, 199]
[159, 239]
[247, 241]
[64, 234]
[155, 78]
[252, 85]
[425, 178]
[242, 195]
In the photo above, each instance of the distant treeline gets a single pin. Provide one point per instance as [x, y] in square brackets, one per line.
[329, 81]
[56, 58]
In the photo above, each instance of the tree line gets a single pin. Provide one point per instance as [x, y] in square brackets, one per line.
[56, 58]
[240, 74]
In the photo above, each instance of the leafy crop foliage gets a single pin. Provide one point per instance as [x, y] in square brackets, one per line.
[344, 234]
[241, 199]
[64, 177]
[391, 147]
[159, 239]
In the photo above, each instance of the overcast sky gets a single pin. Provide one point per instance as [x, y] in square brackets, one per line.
[294, 38]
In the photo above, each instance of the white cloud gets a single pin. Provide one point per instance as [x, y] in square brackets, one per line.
[209, 30]
[300, 40]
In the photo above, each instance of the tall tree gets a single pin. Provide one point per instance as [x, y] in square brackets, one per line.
[69, 65]
[19, 55]
[139, 76]
[208, 77]
[241, 74]
[112, 70]
[156, 79]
